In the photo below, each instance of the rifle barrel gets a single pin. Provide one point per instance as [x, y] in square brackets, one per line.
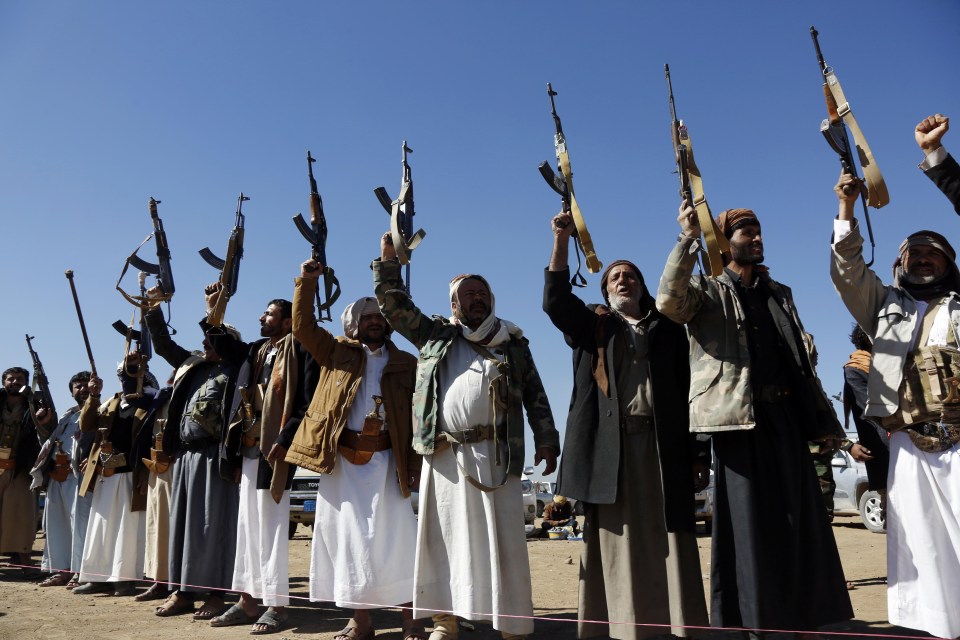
[83, 327]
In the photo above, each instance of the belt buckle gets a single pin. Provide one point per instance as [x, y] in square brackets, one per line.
[471, 435]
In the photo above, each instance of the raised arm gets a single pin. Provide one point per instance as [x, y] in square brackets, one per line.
[395, 305]
[163, 344]
[314, 338]
[676, 299]
[567, 312]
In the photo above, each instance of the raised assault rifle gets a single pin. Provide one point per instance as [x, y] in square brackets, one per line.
[834, 130]
[229, 266]
[316, 234]
[401, 212]
[563, 185]
[691, 187]
[141, 337]
[44, 399]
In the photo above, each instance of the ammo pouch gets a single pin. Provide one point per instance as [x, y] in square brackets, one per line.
[930, 410]
[208, 414]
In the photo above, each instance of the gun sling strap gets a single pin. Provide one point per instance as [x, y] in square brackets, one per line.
[715, 242]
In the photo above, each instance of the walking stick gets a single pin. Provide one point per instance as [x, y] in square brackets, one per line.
[83, 327]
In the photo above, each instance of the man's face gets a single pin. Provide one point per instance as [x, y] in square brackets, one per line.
[924, 264]
[746, 245]
[272, 323]
[13, 382]
[372, 330]
[79, 391]
[208, 353]
[623, 287]
[473, 302]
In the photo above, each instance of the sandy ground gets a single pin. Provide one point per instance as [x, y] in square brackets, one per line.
[28, 611]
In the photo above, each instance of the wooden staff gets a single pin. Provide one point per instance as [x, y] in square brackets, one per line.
[83, 327]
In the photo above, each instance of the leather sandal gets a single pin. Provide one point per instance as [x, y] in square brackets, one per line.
[56, 580]
[352, 632]
[174, 605]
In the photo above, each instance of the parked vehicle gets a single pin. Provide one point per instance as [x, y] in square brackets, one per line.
[703, 505]
[529, 497]
[853, 495]
[303, 499]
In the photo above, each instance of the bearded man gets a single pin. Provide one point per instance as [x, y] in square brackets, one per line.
[475, 377]
[357, 433]
[629, 454]
[19, 448]
[753, 387]
[914, 324]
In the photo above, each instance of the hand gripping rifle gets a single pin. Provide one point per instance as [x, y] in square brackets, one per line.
[161, 270]
[83, 327]
[229, 266]
[563, 185]
[401, 212]
[834, 129]
[316, 234]
[691, 187]
[141, 337]
[44, 399]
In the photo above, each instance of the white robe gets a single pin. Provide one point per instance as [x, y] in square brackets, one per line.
[471, 550]
[365, 530]
[923, 538]
[116, 535]
[58, 508]
[260, 566]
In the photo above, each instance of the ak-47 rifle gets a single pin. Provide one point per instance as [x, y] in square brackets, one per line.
[563, 185]
[229, 266]
[316, 234]
[141, 337]
[401, 212]
[42, 395]
[691, 187]
[161, 270]
[834, 130]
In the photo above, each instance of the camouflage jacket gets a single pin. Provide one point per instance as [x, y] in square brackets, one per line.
[888, 314]
[432, 336]
[721, 389]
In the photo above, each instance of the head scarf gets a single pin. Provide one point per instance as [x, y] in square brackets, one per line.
[356, 310]
[732, 219]
[559, 499]
[950, 281]
[493, 330]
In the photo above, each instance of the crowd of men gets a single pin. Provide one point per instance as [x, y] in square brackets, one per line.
[187, 484]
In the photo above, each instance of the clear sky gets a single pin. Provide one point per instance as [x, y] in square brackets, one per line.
[108, 103]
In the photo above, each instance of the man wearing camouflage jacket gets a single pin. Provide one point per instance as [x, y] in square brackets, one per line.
[775, 563]
[475, 377]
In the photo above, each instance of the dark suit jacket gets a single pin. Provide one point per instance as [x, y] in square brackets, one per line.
[946, 176]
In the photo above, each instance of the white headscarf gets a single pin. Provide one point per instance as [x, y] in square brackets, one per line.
[492, 331]
[354, 311]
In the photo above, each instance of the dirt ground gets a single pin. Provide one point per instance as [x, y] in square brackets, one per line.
[28, 611]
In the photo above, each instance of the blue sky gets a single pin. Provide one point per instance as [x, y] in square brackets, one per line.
[108, 103]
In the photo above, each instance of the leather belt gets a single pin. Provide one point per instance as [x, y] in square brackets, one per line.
[470, 435]
[354, 441]
[636, 424]
[774, 393]
[8, 463]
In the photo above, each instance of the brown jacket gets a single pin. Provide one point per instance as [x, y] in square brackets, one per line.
[342, 362]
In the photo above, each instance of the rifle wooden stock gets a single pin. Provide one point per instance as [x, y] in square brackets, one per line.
[83, 327]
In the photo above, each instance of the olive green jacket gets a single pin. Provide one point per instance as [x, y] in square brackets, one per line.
[433, 336]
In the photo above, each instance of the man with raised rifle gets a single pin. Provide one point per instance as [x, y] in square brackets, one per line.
[754, 389]
[19, 448]
[912, 392]
[629, 454]
[62, 468]
[268, 403]
[206, 468]
[475, 377]
[357, 433]
[938, 165]
[115, 473]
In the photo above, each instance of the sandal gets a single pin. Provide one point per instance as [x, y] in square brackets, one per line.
[210, 609]
[55, 580]
[74, 582]
[174, 605]
[233, 615]
[271, 621]
[351, 632]
[155, 592]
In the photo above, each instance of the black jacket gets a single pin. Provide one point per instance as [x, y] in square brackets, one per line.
[946, 176]
[590, 465]
[28, 443]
